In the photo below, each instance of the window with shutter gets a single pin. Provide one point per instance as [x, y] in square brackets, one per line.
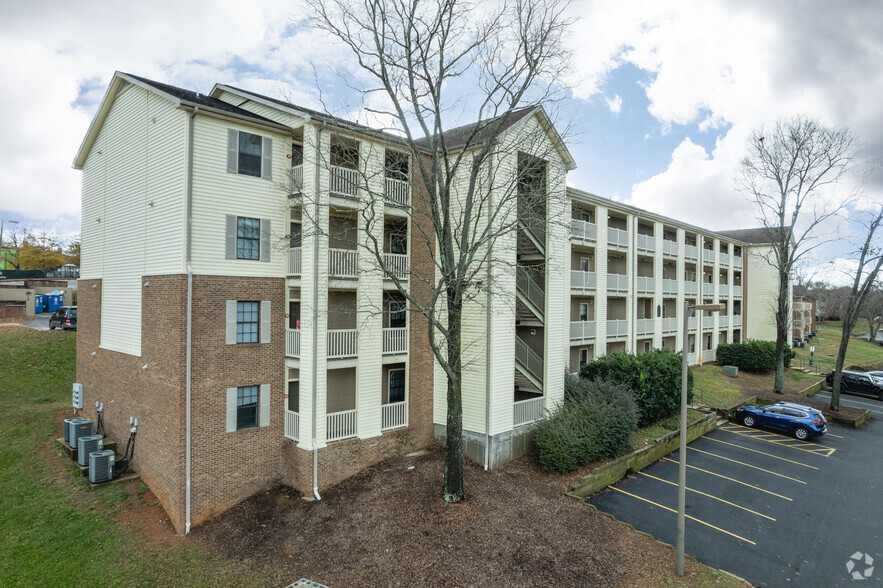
[249, 154]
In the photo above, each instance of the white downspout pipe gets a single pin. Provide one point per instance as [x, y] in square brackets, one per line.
[189, 349]
[488, 340]
[315, 286]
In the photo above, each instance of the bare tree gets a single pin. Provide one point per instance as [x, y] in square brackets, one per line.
[427, 61]
[789, 175]
[872, 310]
[870, 260]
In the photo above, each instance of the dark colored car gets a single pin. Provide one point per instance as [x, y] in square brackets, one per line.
[64, 318]
[861, 383]
[804, 422]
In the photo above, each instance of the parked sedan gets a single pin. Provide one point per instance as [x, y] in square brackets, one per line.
[861, 383]
[64, 318]
[804, 422]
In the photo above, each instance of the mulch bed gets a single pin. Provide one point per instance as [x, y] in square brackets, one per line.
[389, 526]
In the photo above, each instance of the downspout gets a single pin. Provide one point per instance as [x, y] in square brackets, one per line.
[189, 261]
[315, 286]
[488, 362]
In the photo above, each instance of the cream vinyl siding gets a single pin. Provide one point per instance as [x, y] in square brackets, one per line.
[133, 181]
[761, 296]
[218, 193]
[274, 114]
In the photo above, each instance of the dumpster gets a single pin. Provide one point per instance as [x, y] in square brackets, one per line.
[54, 302]
[39, 301]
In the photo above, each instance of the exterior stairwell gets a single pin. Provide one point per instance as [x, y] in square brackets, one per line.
[534, 228]
[529, 292]
[528, 364]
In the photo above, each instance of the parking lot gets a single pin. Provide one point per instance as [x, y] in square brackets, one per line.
[766, 507]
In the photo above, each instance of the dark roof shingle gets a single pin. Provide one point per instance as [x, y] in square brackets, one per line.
[756, 235]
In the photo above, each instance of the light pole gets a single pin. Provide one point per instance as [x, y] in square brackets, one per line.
[3, 259]
[682, 464]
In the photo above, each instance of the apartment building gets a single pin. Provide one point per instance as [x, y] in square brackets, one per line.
[238, 291]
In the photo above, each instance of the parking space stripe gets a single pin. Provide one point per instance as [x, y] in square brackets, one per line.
[835, 436]
[746, 464]
[712, 497]
[692, 467]
[692, 518]
[745, 432]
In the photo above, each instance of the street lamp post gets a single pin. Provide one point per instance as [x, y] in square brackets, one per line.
[682, 463]
[15, 222]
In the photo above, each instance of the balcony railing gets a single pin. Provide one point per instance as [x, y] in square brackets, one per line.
[529, 359]
[532, 291]
[708, 256]
[292, 342]
[690, 252]
[617, 328]
[617, 237]
[737, 290]
[583, 230]
[395, 340]
[690, 288]
[724, 259]
[294, 257]
[669, 248]
[580, 330]
[528, 411]
[644, 326]
[646, 243]
[737, 321]
[396, 264]
[343, 263]
[707, 289]
[646, 284]
[342, 343]
[297, 179]
[582, 280]
[691, 323]
[737, 262]
[669, 287]
[691, 358]
[723, 289]
[344, 181]
[292, 425]
[669, 324]
[395, 415]
[723, 322]
[397, 192]
[340, 425]
[708, 355]
[617, 283]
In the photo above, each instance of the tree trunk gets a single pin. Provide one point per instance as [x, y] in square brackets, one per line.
[453, 481]
[781, 333]
[838, 368]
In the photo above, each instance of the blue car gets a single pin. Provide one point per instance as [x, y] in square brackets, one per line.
[804, 422]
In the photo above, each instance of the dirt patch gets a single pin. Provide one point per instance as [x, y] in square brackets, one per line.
[388, 526]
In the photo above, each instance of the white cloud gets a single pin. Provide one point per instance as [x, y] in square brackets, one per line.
[614, 104]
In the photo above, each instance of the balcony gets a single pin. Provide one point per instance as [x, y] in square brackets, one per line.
[708, 355]
[617, 328]
[669, 248]
[343, 263]
[343, 181]
[340, 425]
[294, 257]
[583, 230]
[617, 283]
[724, 260]
[669, 287]
[690, 288]
[723, 322]
[292, 425]
[737, 291]
[691, 252]
[617, 237]
[644, 326]
[646, 243]
[292, 342]
[297, 179]
[723, 289]
[342, 343]
[670, 325]
[707, 289]
[528, 411]
[691, 323]
[397, 192]
[737, 262]
[395, 340]
[737, 321]
[646, 284]
[396, 264]
[395, 415]
[580, 280]
[582, 330]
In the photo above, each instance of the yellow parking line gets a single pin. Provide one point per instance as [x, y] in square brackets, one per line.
[688, 516]
[764, 452]
[692, 467]
[710, 496]
[746, 464]
[833, 435]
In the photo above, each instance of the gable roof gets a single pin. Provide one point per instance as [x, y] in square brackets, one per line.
[758, 235]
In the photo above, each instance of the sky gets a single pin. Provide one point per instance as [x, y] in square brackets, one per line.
[661, 96]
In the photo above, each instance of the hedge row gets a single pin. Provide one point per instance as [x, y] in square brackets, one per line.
[752, 355]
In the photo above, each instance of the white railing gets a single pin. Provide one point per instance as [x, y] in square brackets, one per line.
[292, 342]
[534, 225]
[723, 289]
[737, 262]
[342, 343]
[646, 243]
[708, 355]
[395, 340]
[691, 323]
[724, 259]
[292, 425]
[617, 237]
[294, 257]
[646, 284]
[528, 358]
[669, 248]
[297, 179]
[617, 328]
[708, 256]
[737, 290]
[582, 280]
[707, 289]
[397, 191]
[340, 425]
[528, 411]
[395, 415]
[343, 263]
[396, 264]
[584, 230]
[582, 330]
[344, 181]
[690, 251]
[690, 288]
[528, 288]
[723, 322]
[669, 287]
[617, 282]
[669, 325]
[691, 358]
[737, 321]
[644, 326]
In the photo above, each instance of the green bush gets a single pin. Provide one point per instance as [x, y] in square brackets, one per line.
[654, 377]
[752, 355]
[596, 419]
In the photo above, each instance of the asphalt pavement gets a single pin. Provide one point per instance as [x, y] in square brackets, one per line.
[40, 322]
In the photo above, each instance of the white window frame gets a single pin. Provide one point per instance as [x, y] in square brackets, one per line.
[233, 154]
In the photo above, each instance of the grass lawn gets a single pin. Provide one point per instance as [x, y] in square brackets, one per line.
[663, 427]
[827, 341]
[55, 532]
